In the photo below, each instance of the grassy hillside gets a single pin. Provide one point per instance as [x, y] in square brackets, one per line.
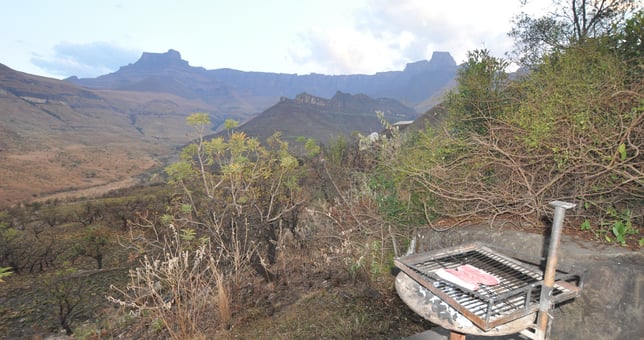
[58, 137]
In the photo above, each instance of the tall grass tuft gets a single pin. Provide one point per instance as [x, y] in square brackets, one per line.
[178, 292]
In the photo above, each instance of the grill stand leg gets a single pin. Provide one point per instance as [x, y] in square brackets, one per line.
[543, 329]
[456, 336]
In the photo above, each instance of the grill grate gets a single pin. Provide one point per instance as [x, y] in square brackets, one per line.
[516, 295]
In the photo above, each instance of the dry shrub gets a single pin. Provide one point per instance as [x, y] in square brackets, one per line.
[352, 232]
[178, 291]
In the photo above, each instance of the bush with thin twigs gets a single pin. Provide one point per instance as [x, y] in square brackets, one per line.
[66, 291]
[181, 291]
[570, 130]
[357, 231]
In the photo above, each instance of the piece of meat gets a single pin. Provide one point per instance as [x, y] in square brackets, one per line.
[479, 275]
[464, 275]
[447, 275]
[467, 276]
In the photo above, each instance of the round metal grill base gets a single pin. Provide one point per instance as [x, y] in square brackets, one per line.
[432, 308]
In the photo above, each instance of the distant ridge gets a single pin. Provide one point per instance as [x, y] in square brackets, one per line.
[325, 119]
[413, 86]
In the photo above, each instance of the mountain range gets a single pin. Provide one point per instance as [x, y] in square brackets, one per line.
[84, 136]
[242, 93]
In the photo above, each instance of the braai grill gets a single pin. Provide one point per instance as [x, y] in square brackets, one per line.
[516, 295]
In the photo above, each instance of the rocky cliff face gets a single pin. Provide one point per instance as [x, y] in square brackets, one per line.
[160, 61]
[355, 103]
[307, 99]
[417, 82]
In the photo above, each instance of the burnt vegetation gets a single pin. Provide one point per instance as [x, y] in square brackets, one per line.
[247, 236]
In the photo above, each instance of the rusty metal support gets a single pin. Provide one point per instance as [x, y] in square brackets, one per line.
[551, 268]
[456, 336]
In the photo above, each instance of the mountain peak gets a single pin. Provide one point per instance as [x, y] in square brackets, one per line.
[158, 61]
[439, 60]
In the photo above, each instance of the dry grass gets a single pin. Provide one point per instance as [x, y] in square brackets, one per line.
[345, 312]
[73, 171]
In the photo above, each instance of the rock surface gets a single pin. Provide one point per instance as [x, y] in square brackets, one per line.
[610, 305]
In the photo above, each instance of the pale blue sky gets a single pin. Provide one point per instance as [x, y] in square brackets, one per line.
[89, 38]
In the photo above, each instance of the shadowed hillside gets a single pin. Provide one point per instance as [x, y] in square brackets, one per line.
[57, 137]
[325, 119]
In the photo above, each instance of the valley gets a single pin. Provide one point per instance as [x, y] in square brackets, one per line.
[62, 138]
[164, 200]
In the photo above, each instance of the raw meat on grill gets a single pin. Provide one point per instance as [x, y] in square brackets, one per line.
[445, 275]
[476, 275]
[467, 276]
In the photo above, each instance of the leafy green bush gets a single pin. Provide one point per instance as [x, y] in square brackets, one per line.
[238, 193]
[569, 130]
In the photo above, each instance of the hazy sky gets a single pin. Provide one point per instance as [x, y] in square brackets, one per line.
[89, 38]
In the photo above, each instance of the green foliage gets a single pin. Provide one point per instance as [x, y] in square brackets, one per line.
[615, 225]
[621, 150]
[395, 202]
[166, 219]
[568, 24]
[93, 243]
[479, 96]
[401, 183]
[621, 225]
[236, 193]
[188, 234]
[585, 226]
[4, 272]
[230, 124]
[338, 150]
[198, 119]
[186, 208]
[570, 90]
[570, 129]
[629, 46]
[312, 148]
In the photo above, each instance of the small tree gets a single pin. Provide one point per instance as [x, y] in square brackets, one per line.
[66, 294]
[239, 193]
[570, 22]
[234, 197]
[480, 95]
[93, 243]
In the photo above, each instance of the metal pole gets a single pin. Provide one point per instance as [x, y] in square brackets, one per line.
[551, 267]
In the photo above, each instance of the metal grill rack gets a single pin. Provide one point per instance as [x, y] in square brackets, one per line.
[516, 295]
